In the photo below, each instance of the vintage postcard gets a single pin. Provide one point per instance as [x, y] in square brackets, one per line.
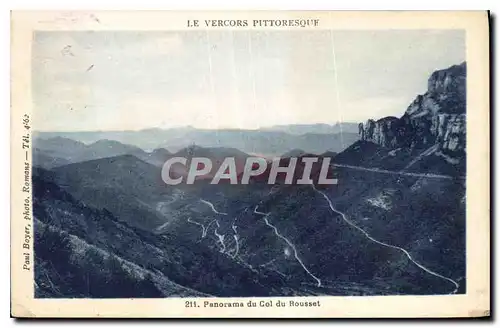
[265, 164]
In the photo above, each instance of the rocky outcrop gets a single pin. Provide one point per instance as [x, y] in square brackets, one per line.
[436, 117]
[449, 130]
[384, 132]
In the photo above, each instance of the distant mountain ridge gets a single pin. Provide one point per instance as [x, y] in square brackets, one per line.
[249, 141]
[58, 151]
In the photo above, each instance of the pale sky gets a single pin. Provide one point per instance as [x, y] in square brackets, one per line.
[230, 79]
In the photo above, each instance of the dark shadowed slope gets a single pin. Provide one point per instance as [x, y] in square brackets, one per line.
[81, 251]
[126, 186]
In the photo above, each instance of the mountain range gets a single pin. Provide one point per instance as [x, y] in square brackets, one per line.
[107, 225]
[262, 142]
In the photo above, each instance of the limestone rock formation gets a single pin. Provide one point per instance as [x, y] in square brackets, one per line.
[436, 117]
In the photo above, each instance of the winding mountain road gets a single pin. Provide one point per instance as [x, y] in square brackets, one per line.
[203, 228]
[280, 236]
[212, 207]
[222, 237]
[344, 217]
[367, 235]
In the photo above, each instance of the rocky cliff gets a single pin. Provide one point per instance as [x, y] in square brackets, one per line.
[434, 118]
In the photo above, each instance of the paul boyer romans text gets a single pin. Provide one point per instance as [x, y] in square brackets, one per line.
[26, 190]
